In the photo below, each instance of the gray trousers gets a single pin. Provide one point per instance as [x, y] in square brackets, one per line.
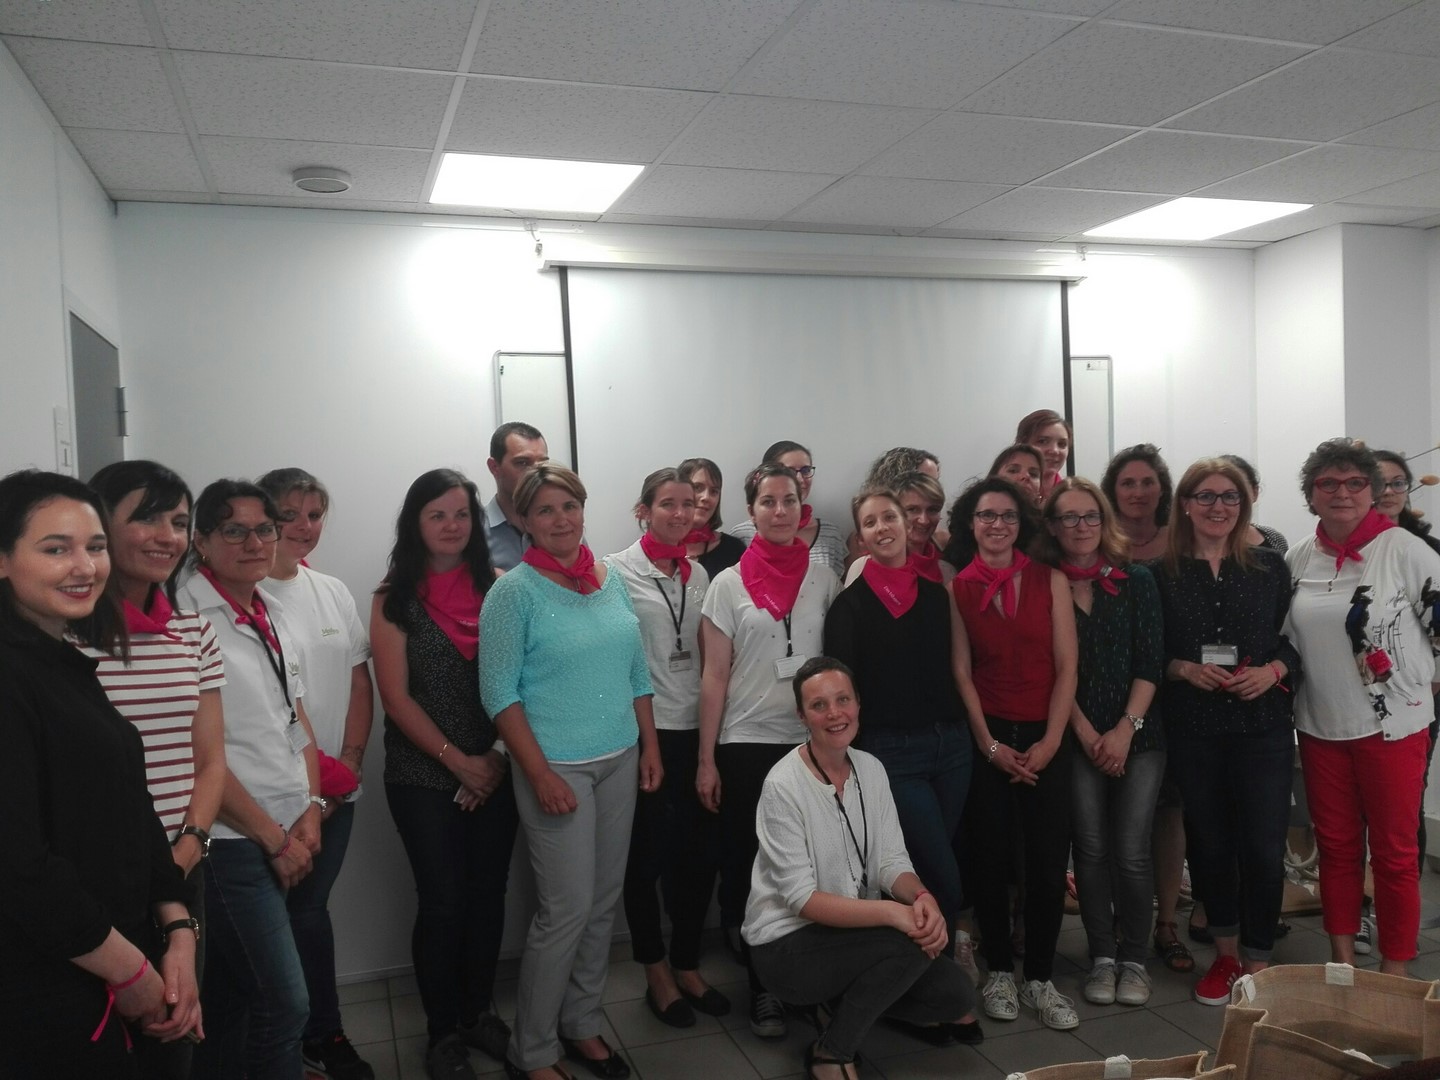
[579, 863]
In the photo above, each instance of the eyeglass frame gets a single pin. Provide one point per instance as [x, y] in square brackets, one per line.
[1085, 517]
[1352, 484]
[1209, 498]
[238, 538]
[1008, 517]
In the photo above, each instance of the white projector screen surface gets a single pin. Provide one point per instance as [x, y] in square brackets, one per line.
[672, 364]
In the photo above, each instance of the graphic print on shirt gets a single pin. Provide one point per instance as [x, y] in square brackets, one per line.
[1375, 645]
[1430, 612]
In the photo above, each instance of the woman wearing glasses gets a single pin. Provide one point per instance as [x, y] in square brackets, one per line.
[1021, 627]
[268, 828]
[1363, 621]
[827, 546]
[1227, 714]
[1117, 774]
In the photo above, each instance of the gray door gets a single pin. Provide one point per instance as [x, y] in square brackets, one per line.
[99, 400]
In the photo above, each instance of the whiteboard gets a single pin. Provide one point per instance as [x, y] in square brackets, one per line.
[533, 389]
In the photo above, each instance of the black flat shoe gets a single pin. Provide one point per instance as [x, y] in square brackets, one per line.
[969, 1034]
[711, 1003]
[613, 1067]
[515, 1072]
[678, 1014]
[1200, 934]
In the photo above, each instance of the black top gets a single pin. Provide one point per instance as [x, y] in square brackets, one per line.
[1242, 608]
[723, 555]
[1121, 639]
[447, 687]
[902, 666]
[1274, 538]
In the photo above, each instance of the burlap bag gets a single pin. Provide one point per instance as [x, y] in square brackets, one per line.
[1186, 1067]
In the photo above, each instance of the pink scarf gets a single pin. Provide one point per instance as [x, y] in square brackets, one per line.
[259, 618]
[807, 514]
[453, 605]
[995, 579]
[703, 535]
[155, 619]
[1101, 573]
[772, 574]
[656, 551]
[895, 586]
[581, 571]
[927, 563]
[1371, 526]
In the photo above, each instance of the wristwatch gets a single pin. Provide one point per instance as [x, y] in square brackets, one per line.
[191, 923]
[199, 834]
[1136, 722]
[321, 801]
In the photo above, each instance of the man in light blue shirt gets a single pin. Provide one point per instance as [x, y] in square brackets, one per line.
[514, 448]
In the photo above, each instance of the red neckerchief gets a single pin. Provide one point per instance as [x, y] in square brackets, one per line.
[155, 619]
[895, 586]
[1102, 574]
[656, 551]
[1371, 526]
[453, 604]
[259, 618]
[703, 535]
[927, 563]
[994, 580]
[807, 514]
[772, 574]
[581, 571]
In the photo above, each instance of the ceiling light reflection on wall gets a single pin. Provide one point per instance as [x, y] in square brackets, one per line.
[1195, 219]
[516, 183]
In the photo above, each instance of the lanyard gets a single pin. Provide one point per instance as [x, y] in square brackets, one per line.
[277, 666]
[864, 853]
[790, 651]
[252, 619]
[676, 619]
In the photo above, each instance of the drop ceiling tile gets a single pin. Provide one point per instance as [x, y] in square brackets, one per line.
[1422, 191]
[260, 97]
[681, 190]
[263, 167]
[99, 86]
[1415, 130]
[991, 149]
[1319, 217]
[1050, 210]
[682, 44]
[428, 35]
[684, 221]
[791, 136]
[846, 230]
[1325, 174]
[920, 53]
[117, 22]
[1170, 162]
[894, 203]
[146, 160]
[1317, 21]
[993, 233]
[319, 202]
[1326, 95]
[1126, 74]
[1414, 30]
[1062, 7]
[602, 123]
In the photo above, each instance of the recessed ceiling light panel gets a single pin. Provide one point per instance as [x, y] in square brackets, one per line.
[1195, 219]
[539, 184]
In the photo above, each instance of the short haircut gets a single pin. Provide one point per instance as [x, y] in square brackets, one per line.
[654, 482]
[547, 473]
[282, 482]
[1339, 453]
[1114, 547]
[1147, 454]
[895, 463]
[504, 431]
[866, 494]
[817, 665]
[764, 471]
[924, 483]
[213, 509]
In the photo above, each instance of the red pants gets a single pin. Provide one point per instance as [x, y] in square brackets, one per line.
[1359, 786]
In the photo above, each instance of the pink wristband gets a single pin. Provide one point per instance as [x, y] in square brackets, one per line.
[133, 979]
[281, 850]
[922, 892]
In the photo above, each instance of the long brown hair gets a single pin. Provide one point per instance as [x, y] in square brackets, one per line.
[1182, 531]
[1114, 546]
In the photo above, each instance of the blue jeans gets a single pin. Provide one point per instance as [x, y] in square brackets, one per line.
[1237, 807]
[929, 770]
[254, 994]
[310, 923]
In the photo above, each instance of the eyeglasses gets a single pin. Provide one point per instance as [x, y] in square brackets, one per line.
[1397, 485]
[265, 532]
[1072, 520]
[1208, 497]
[1353, 484]
[989, 517]
[805, 472]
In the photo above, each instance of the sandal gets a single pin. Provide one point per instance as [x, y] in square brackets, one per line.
[812, 1059]
[1174, 954]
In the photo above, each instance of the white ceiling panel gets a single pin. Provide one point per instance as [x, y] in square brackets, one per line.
[300, 99]
[316, 202]
[683, 44]
[263, 167]
[1414, 30]
[921, 53]
[991, 149]
[791, 136]
[1126, 74]
[140, 159]
[117, 22]
[1315, 21]
[1062, 7]
[1320, 217]
[893, 202]
[603, 123]
[428, 35]
[1169, 162]
[1415, 130]
[1323, 97]
[1052, 211]
[99, 86]
[1326, 174]
[1421, 191]
[671, 190]
[684, 222]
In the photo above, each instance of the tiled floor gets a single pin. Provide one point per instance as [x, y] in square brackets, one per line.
[385, 1021]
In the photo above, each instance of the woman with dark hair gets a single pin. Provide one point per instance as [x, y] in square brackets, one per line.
[1021, 627]
[705, 543]
[1052, 435]
[922, 501]
[1363, 618]
[1137, 483]
[86, 872]
[1259, 535]
[1117, 775]
[673, 840]
[268, 827]
[1227, 714]
[1024, 466]
[885, 474]
[827, 546]
[169, 686]
[446, 776]
[334, 651]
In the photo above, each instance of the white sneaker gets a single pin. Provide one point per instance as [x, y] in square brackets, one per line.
[1133, 985]
[1364, 940]
[1056, 1010]
[1000, 998]
[1100, 986]
[965, 956]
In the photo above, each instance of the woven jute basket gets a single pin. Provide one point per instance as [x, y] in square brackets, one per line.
[1185, 1067]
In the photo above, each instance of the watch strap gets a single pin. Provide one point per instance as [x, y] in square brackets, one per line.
[199, 834]
[192, 924]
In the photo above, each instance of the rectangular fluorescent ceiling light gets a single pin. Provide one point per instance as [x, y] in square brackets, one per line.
[1195, 219]
[517, 183]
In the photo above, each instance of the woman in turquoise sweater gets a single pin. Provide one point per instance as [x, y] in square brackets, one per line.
[563, 672]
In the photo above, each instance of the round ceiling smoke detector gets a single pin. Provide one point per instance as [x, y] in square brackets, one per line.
[320, 180]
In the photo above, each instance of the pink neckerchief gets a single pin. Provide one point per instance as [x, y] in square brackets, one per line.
[895, 586]
[772, 574]
[1102, 574]
[453, 604]
[581, 571]
[995, 579]
[259, 618]
[155, 619]
[703, 535]
[927, 563]
[655, 551]
[1371, 525]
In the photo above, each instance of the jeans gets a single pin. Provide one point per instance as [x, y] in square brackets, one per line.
[675, 842]
[254, 993]
[1237, 808]
[929, 770]
[461, 863]
[310, 923]
[1111, 823]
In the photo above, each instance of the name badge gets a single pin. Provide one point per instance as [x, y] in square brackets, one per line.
[1222, 655]
[787, 666]
[295, 732]
[681, 661]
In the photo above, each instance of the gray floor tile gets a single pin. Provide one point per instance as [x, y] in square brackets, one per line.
[1016, 1053]
[1138, 1034]
[367, 1021]
[716, 1057]
[407, 1016]
[625, 982]
[401, 985]
[1302, 947]
[376, 989]
[938, 1064]
[775, 1057]
[1202, 1022]
[635, 1025]
[381, 1058]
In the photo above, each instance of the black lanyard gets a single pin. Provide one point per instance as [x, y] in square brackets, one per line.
[676, 619]
[276, 665]
[864, 820]
[790, 651]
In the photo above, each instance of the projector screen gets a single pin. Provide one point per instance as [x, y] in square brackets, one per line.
[671, 364]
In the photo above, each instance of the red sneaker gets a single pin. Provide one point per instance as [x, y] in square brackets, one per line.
[1214, 987]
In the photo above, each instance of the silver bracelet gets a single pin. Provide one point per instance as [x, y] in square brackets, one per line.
[990, 753]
